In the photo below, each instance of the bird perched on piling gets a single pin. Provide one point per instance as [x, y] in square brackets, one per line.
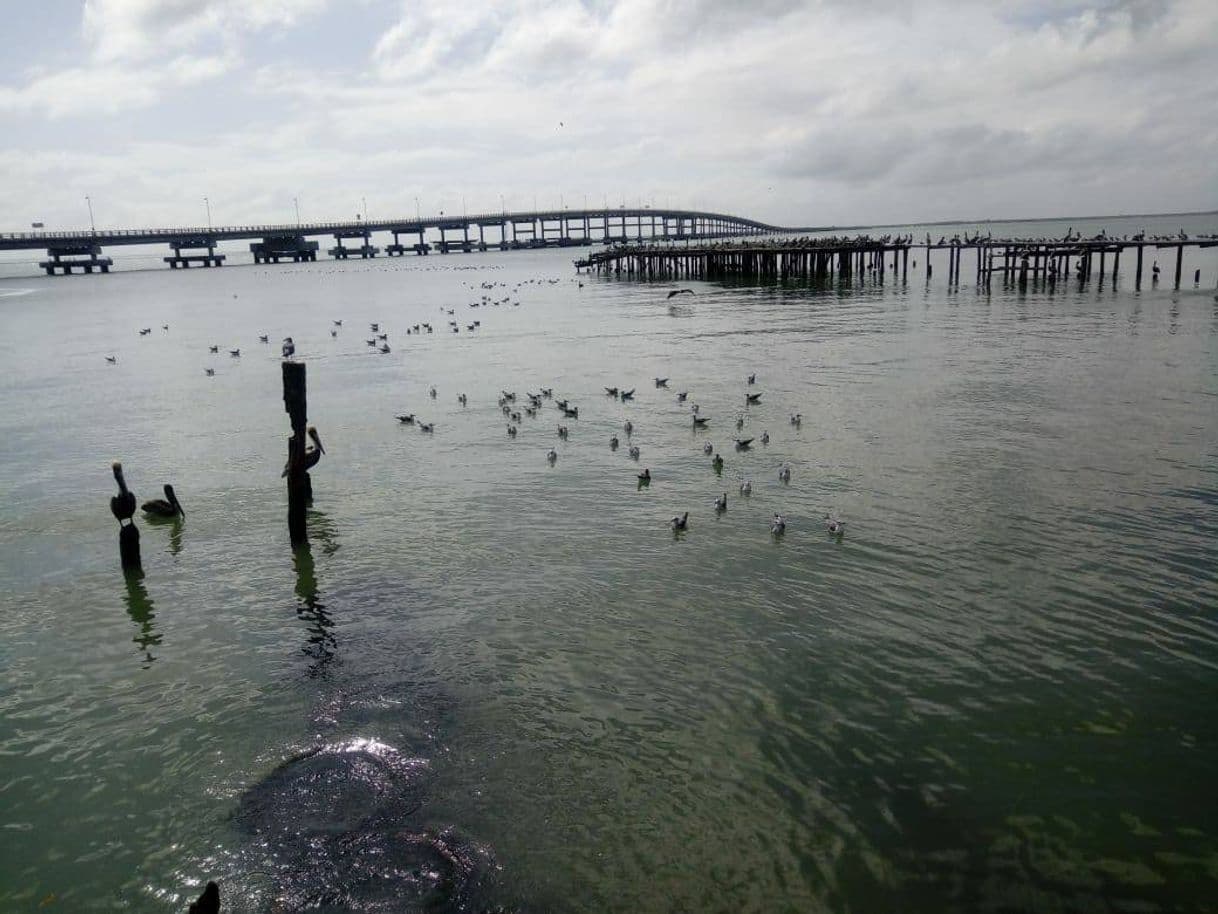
[164, 507]
[312, 454]
[289, 347]
[122, 505]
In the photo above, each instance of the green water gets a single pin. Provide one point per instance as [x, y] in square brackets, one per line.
[996, 692]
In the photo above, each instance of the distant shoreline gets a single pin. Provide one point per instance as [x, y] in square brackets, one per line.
[862, 225]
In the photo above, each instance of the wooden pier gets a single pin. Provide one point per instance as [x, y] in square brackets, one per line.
[1013, 261]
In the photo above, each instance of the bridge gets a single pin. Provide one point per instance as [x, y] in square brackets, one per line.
[83, 250]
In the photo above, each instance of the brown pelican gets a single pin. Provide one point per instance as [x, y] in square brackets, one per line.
[312, 455]
[122, 505]
[164, 507]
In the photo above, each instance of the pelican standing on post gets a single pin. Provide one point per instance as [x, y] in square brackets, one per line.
[312, 454]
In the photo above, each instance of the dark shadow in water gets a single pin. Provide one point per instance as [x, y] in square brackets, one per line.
[339, 827]
[321, 646]
[140, 609]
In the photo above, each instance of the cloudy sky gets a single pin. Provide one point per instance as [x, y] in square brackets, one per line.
[791, 111]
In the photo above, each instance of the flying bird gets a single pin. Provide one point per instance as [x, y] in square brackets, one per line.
[680, 292]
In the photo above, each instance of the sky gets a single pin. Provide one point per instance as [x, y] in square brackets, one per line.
[820, 112]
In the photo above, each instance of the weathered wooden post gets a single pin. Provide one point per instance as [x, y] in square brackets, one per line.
[1179, 262]
[1138, 277]
[295, 402]
[122, 506]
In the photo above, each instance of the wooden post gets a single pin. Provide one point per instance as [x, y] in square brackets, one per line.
[1179, 262]
[1138, 277]
[122, 506]
[295, 402]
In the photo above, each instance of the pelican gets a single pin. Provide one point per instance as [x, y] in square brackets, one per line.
[721, 503]
[210, 372]
[753, 378]
[407, 419]
[742, 444]
[694, 407]
[634, 451]
[645, 476]
[382, 336]
[765, 437]
[613, 443]
[511, 431]
[784, 473]
[289, 348]
[708, 448]
[164, 507]
[717, 463]
[778, 526]
[112, 360]
[235, 353]
[682, 395]
[680, 292]
[661, 382]
[746, 487]
[752, 398]
[834, 526]
[213, 348]
[571, 413]
[145, 331]
[680, 522]
[551, 455]
[122, 505]
[311, 456]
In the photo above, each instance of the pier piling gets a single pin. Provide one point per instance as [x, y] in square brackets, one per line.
[295, 402]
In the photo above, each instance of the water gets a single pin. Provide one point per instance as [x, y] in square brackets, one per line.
[493, 682]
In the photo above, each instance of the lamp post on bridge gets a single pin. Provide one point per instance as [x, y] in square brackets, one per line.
[417, 216]
[207, 203]
[364, 200]
[296, 203]
[502, 205]
[92, 227]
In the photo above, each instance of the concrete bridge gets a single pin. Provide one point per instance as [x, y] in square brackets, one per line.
[195, 245]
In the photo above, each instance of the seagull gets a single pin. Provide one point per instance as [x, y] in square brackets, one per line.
[708, 448]
[661, 382]
[752, 398]
[613, 443]
[213, 348]
[551, 455]
[778, 526]
[462, 399]
[433, 393]
[611, 391]
[407, 419]
[739, 423]
[834, 526]
[235, 353]
[765, 437]
[628, 427]
[717, 464]
[511, 431]
[164, 507]
[210, 372]
[112, 360]
[334, 334]
[634, 452]
[682, 395]
[627, 394]
[384, 350]
[797, 419]
[742, 444]
[427, 427]
[289, 348]
[645, 477]
[753, 378]
[264, 338]
[376, 327]
[338, 323]
[680, 522]
[700, 421]
[784, 473]
[680, 292]
[562, 431]
[746, 487]
[721, 503]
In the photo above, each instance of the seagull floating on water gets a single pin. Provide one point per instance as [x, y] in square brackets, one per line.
[680, 522]
[645, 476]
[613, 443]
[784, 473]
[551, 455]
[721, 503]
[708, 448]
[746, 487]
[834, 526]
[633, 452]
[778, 526]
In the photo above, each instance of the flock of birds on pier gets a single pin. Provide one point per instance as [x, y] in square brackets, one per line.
[519, 408]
